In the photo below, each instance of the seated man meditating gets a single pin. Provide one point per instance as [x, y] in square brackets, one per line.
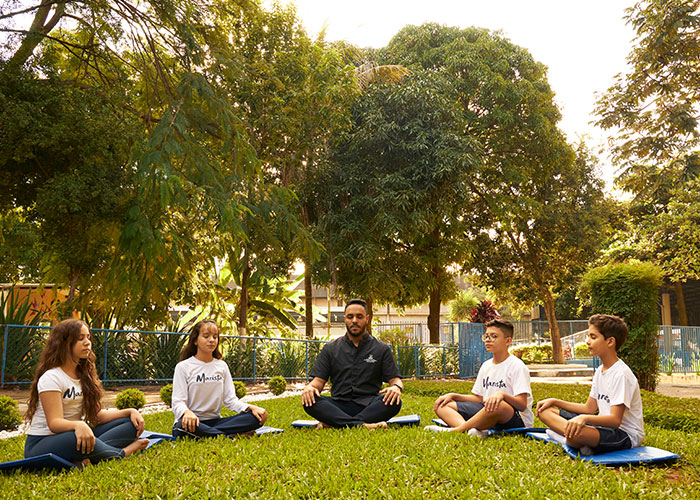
[356, 364]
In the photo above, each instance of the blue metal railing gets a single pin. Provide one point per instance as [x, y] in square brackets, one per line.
[150, 356]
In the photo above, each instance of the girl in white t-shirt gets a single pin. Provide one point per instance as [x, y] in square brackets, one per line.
[202, 383]
[64, 405]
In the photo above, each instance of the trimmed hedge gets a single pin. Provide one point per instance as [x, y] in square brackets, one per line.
[630, 290]
[166, 394]
[240, 389]
[130, 398]
[10, 417]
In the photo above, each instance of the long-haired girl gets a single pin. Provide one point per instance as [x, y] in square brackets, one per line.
[64, 405]
[202, 383]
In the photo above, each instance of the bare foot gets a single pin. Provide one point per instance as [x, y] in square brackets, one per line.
[138, 445]
[378, 425]
[321, 425]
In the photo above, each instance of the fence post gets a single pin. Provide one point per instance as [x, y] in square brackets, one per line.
[4, 356]
[104, 370]
[444, 365]
[306, 343]
[254, 352]
[417, 361]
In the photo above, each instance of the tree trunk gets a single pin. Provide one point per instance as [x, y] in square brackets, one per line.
[680, 303]
[308, 301]
[557, 352]
[37, 31]
[370, 306]
[243, 303]
[434, 315]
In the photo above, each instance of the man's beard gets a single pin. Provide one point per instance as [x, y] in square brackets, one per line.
[358, 334]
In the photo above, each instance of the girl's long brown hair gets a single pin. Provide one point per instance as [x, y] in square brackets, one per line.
[190, 348]
[58, 350]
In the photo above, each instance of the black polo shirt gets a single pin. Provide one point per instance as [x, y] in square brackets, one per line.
[356, 373]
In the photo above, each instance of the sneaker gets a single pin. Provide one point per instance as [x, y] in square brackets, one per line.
[555, 436]
[436, 428]
[586, 451]
[474, 432]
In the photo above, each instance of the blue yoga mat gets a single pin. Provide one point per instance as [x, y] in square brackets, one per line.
[630, 456]
[268, 430]
[495, 432]
[46, 461]
[396, 421]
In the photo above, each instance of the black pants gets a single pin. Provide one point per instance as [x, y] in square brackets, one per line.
[227, 426]
[338, 413]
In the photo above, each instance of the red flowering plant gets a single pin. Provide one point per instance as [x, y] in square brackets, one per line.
[484, 311]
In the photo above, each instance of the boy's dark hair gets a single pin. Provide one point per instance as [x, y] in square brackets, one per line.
[610, 326]
[359, 302]
[505, 326]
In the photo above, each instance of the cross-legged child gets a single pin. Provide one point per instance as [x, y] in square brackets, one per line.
[501, 398]
[202, 383]
[64, 407]
[615, 394]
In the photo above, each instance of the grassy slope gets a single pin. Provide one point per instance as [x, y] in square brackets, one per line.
[355, 463]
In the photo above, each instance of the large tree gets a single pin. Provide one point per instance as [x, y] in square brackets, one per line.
[399, 198]
[653, 112]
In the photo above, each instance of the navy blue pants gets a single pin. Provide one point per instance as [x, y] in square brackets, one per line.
[110, 438]
[338, 413]
[227, 426]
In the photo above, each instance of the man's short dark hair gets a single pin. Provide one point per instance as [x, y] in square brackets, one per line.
[359, 302]
[610, 326]
[505, 326]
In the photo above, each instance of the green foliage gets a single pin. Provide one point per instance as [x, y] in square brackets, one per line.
[240, 388]
[10, 418]
[533, 353]
[166, 394]
[24, 345]
[581, 351]
[131, 398]
[277, 385]
[396, 336]
[630, 290]
[461, 306]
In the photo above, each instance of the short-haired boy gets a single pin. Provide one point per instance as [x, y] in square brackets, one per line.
[615, 394]
[501, 398]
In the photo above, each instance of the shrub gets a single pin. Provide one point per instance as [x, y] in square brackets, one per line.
[581, 351]
[484, 312]
[10, 418]
[533, 353]
[166, 394]
[130, 398]
[277, 385]
[240, 389]
[630, 290]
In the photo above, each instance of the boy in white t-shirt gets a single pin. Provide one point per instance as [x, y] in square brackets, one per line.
[615, 395]
[501, 398]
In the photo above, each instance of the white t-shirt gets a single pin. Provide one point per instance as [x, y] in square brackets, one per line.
[203, 388]
[57, 380]
[618, 386]
[510, 376]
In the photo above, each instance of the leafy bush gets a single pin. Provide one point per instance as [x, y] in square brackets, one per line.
[630, 290]
[277, 385]
[240, 389]
[533, 353]
[462, 305]
[166, 394]
[130, 398]
[24, 345]
[10, 418]
[581, 351]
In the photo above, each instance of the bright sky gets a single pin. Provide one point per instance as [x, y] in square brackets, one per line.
[584, 44]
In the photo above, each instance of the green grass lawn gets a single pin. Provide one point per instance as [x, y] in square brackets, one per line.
[356, 463]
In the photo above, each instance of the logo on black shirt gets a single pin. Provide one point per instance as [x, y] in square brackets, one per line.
[202, 378]
[370, 359]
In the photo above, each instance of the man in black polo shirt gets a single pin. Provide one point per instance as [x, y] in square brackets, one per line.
[356, 364]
